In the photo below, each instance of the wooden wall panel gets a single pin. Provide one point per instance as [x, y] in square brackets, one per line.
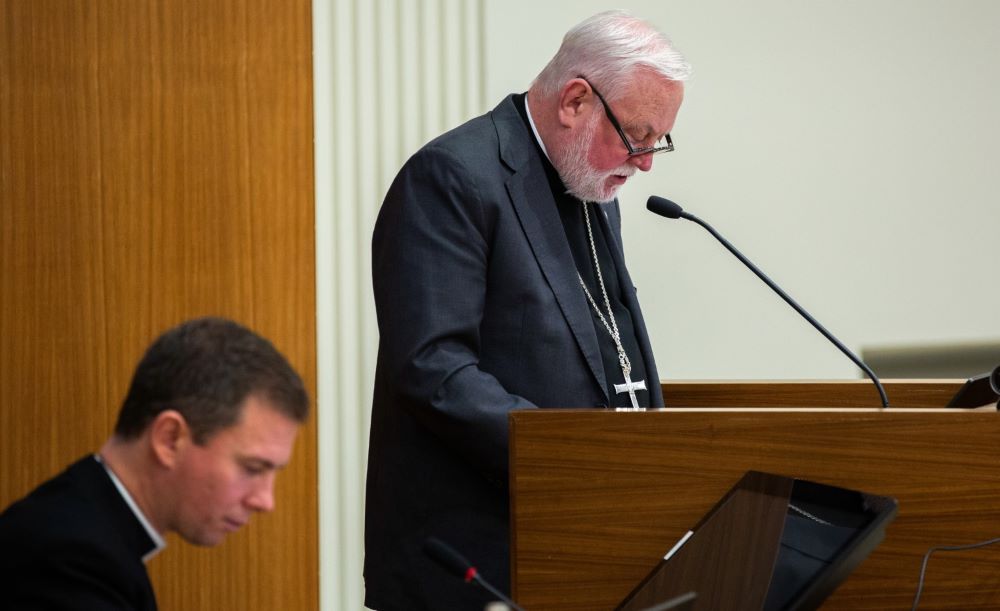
[155, 164]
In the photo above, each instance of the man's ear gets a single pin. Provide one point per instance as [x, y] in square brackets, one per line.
[576, 102]
[169, 435]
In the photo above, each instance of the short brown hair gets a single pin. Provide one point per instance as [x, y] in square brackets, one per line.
[205, 368]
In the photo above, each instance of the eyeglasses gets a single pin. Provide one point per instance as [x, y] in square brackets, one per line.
[664, 145]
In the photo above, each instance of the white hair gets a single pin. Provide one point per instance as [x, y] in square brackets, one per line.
[607, 49]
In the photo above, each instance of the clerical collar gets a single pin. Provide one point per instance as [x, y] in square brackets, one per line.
[158, 542]
[534, 130]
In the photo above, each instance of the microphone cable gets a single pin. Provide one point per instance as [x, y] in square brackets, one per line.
[944, 548]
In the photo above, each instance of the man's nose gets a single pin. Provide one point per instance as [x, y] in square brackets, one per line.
[262, 498]
[643, 163]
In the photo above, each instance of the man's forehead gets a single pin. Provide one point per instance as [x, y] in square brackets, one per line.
[261, 422]
[650, 101]
[652, 95]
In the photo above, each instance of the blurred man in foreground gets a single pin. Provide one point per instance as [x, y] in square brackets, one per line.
[211, 414]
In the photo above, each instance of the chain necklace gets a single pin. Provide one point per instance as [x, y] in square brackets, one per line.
[629, 386]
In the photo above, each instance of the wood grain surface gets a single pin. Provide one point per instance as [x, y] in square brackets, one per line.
[155, 165]
[597, 497]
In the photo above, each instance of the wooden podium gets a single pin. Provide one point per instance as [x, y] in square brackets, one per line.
[598, 497]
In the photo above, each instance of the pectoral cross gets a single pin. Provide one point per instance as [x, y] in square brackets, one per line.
[630, 387]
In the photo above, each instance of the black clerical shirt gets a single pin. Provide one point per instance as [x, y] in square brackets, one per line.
[571, 214]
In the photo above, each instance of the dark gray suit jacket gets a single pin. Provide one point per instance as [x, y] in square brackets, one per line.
[480, 312]
[74, 543]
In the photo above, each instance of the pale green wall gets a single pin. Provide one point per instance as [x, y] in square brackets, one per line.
[850, 148]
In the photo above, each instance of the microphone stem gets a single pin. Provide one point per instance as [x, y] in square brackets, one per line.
[791, 302]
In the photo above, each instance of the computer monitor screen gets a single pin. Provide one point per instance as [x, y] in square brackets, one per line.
[772, 543]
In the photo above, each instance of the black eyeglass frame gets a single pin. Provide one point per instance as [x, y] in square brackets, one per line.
[632, 151]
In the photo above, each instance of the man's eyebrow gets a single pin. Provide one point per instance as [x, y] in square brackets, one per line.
[258, 461]
[645, 129]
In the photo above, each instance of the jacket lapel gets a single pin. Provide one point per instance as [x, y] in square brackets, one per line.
[536, 210]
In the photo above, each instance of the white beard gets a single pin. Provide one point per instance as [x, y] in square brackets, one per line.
[582, 180]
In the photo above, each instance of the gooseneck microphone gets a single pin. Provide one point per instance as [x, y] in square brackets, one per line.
[456, 563]
[667, 208]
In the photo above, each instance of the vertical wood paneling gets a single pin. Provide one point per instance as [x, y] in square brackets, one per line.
[156, 164]
[50, 280]
[390, 75]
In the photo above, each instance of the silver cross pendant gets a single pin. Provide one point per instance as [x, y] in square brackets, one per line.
[630, 387]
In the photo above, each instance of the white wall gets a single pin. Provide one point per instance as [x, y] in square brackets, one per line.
[388, 76]
[849, 148]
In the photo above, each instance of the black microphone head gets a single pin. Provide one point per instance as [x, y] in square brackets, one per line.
[664, 207]
[446, 556]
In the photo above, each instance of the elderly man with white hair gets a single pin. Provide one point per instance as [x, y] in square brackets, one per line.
[500, 284]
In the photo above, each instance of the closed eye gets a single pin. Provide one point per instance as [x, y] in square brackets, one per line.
[254, 467]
